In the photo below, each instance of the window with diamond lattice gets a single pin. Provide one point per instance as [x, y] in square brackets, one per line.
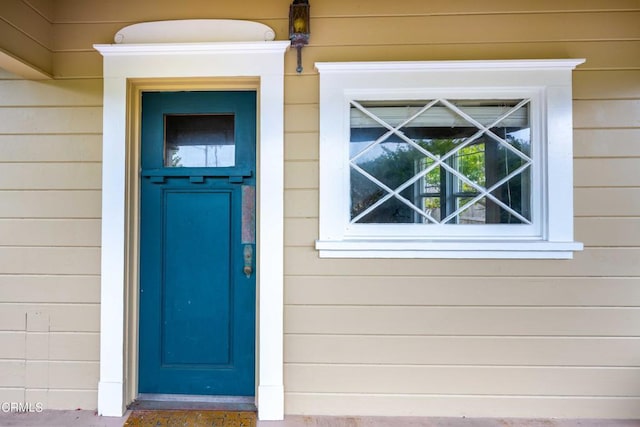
[446, 159]
[440, 162]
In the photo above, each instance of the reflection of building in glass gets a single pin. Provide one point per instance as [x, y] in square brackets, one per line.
[441, 162]
[201, 140]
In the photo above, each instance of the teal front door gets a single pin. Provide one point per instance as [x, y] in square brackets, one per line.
[197, 243]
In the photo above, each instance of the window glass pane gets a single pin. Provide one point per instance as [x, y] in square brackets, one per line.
[392, 211]
[514, 194]
[473, 213]
[392, 163]
[454, 162]
[364, 193]
[201, 140]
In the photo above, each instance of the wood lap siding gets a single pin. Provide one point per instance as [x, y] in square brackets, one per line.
[479, 337]
[50, 143]
[532, 338]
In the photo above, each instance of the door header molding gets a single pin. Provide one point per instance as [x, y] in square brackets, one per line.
[195, 31]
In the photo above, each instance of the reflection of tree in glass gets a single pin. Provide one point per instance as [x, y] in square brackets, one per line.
[394, 166]
[399, 164]
[175, 160]
[515, 193]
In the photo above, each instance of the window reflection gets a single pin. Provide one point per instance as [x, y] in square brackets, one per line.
[200, 140]
[452, 162]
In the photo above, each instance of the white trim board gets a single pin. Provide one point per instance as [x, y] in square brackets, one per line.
[263, 60]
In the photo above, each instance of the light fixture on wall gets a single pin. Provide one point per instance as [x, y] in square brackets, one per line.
[299, 27]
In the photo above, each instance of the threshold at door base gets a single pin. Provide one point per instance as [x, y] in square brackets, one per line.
[191, 402]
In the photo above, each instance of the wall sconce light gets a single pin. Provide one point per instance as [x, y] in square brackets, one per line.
[299, 27]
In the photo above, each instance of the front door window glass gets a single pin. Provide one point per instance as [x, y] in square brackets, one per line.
[199, 140]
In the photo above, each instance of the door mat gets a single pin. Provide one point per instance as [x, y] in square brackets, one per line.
[181, 418]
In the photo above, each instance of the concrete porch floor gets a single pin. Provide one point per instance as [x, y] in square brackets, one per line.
[90, 419]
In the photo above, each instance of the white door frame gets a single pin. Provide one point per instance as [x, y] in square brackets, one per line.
[123, 63]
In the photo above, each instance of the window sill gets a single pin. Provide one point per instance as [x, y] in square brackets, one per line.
[497, 249]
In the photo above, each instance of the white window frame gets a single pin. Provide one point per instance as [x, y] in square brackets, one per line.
[546, 82]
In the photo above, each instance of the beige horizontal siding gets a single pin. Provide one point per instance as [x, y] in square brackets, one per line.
[60, 375]
[73, 375]
[301, 175]
[601, 55]
[300, 146]
[301, 89]
[52, 318]
[425, 337]
[74, 346]
[50, 232]
[619, 84]
[12, 372]
[300, 231]
[462, 405]
[75, 11]
[51, 148]
[600, 143]
[50, 176]
[495, 28]
[13, 345]
[606, 114]
[50, 120]
[50, 288]
[50, 204]
[416, 351]
[301, 204]
[620, 172]
[587, 85]
[301, 118]
[606, 202]
[46, 93]
[50, 181]
[412, 320]
[61, 346]
[495, 291]
[332, 31]
[593, 262]
[612, 232]
[474, 380]
[11, 394]
[11, 321]
[49, 260]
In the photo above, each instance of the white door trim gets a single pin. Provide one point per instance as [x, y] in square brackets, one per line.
[263, 60]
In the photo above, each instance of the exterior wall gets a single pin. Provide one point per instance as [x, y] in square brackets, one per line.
[50, 147]
[475, 337]
[526, 338]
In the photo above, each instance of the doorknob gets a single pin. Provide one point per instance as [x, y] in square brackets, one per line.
[248, 260]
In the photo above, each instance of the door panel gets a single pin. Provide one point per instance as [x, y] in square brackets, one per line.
[187, 226]
[197, 305]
